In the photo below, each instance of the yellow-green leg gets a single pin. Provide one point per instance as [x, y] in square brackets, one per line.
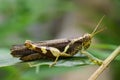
[54, 62]
[57, 54]
[92, 58]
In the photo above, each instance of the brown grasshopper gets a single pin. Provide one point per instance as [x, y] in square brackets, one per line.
[53, 49]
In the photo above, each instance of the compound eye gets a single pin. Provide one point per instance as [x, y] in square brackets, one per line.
[87, 37]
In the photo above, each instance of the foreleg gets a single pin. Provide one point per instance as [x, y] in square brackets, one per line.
[91, 57]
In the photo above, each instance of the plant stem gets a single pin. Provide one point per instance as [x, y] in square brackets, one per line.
[105, 63]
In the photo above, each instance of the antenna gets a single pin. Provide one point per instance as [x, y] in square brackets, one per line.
[94, 31]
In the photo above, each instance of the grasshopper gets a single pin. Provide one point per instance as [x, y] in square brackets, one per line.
[53, 49]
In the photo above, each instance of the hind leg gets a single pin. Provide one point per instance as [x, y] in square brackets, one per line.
[46, 51]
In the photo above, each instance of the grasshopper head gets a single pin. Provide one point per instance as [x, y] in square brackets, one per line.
[87, 40]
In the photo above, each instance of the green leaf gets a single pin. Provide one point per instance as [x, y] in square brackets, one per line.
[6, 59]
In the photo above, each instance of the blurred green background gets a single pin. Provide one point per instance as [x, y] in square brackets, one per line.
[50, 19]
